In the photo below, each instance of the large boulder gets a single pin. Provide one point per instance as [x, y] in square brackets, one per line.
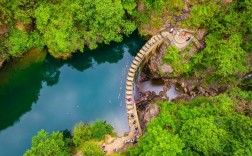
[150, 112]
[156, 60]
[165, 68]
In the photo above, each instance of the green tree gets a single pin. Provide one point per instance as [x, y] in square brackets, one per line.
[180, 65]
[202, 135]
[94, 131]
[158, 142]
[91, 149]
[202, 14]
[224, 57]
[68, 26]
[20, 42]
[44, 144]
[241, 129]
[203, 126]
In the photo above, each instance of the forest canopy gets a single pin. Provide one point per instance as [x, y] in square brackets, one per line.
[218, 125]
[203, 126]
[63, 26]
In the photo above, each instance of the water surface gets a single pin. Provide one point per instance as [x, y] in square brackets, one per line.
[55, 95]
[157, 86]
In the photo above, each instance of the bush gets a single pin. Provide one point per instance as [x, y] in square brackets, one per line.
[45, 144]
[96, 131]
[203, 126]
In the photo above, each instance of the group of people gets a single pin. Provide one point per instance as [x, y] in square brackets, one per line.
[136, 133]
[184, 34]
[132, 140]
[103, 148]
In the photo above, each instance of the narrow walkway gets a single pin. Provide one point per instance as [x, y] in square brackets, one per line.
[198, 45]
[150, 46]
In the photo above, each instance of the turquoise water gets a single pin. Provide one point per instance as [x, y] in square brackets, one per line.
[55, 95]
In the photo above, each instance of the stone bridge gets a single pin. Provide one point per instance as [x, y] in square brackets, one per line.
[176, 39]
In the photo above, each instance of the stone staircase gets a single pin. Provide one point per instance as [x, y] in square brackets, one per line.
[149, 48]
[146, 50]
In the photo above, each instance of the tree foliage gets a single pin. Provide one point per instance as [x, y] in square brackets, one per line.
[96, 131]
[227, 44]
[203, 126]
[201, 134]
[19, 42]
[224, 57]
[44, 144]
[174, 57]
[84, 138]
[92, 149]
[158, 141]
[65, 26]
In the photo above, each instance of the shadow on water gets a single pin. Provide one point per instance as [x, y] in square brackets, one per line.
[105, 53]
[20, 83]
[21, 80]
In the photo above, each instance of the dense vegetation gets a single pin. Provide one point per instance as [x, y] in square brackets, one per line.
[63, 26]
[203, 126]
[227, 54]
[62, 143]
[219, 125]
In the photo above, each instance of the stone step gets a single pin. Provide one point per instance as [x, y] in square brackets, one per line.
[130, 78]
[160, 37]
[132, 70]
[140, 55]
[142, 52]
[133, 66]
[129, 103]
[129, 87]
[135, 62]
[155, 38]
[147, 45]
[145, 49]
[150, 42]
[131, 74]
[138, 59]
[129, 107]
[129, 83]
[129, 93]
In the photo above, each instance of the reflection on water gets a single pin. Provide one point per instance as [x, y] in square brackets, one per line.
[55, 94]
[157, 86]
[16, 93]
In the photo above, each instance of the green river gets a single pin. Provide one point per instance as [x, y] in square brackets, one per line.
[39, 92]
